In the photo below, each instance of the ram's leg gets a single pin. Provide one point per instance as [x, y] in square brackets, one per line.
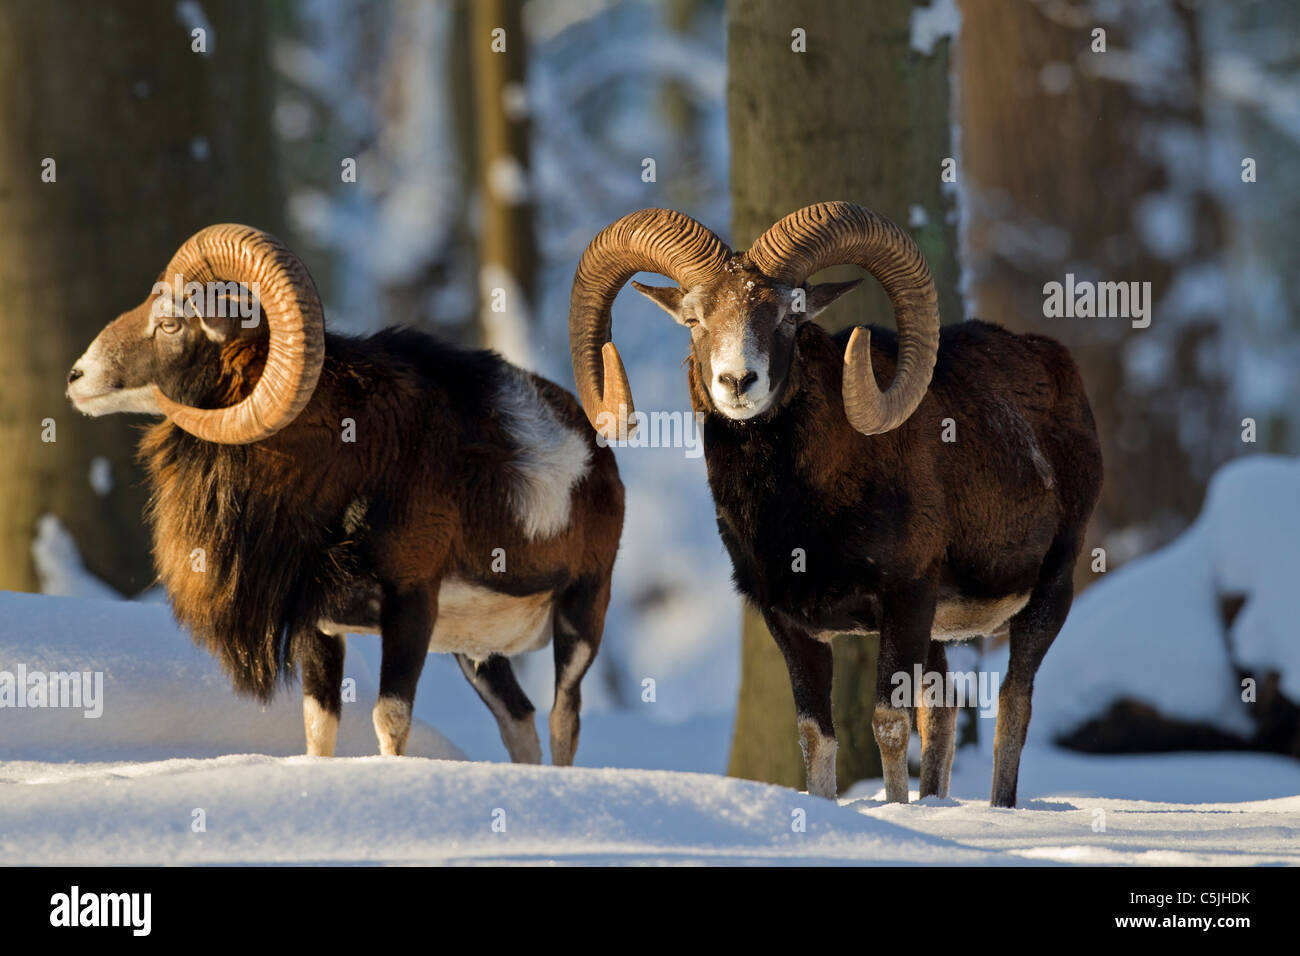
[579, 622]
[810, 664]
[937, 724]
[320, 658]
[1032, 633]
[494, 680]
[908, 616]
[406, 624]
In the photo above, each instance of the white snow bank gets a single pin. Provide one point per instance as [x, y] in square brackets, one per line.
[162, 696]
[1253, 516]
[410, 810]
[1152, 630]
[258, 809]
[59, 566]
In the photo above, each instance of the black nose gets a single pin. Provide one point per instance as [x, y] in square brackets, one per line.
[738, 386]
[75, 374]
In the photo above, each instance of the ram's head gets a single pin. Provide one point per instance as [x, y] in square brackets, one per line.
[743, 310]
[175, 337]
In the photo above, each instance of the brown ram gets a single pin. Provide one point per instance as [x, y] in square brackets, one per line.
[306, 484]
[842, 507]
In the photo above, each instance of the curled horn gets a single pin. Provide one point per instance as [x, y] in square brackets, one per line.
[295, 325]
[837, 233]
[651, 240]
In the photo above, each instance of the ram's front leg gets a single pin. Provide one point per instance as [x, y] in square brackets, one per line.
[406, 624]
[320, 658]
[810, 662]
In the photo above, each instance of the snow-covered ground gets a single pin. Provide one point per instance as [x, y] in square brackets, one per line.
[176, 769]
[416, 810]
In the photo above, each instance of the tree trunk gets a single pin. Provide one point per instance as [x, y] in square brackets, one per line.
[150, 142]
[859, 116]
[1073, 196]
[507, 245]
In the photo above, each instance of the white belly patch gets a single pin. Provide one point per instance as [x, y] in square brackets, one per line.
[479, 622]
[955, 620]
[963, 618]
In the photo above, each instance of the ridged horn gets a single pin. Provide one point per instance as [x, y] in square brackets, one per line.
[295, 325]
[839, 233]
[651, 240]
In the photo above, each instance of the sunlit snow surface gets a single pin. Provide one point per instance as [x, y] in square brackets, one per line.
[175, 747]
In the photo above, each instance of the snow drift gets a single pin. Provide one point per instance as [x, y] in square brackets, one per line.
[1154, 631]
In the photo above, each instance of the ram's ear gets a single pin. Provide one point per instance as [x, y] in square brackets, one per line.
[667, 297]
[229, 315]
[818, 298]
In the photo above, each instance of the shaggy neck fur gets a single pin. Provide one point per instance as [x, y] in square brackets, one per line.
[245, 570]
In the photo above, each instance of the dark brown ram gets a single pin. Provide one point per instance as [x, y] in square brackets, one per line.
[810, 454]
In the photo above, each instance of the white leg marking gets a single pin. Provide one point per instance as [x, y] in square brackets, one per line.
[322, 728]
[892, 729]
[392, 718]
[818, 758]
[521, 739]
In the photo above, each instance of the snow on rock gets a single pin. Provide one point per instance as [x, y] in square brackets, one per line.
[162, 696]
[1253, 515]
[1152, 630]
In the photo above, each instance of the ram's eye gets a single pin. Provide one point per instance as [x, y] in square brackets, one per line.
[691, 323]
[170, 325]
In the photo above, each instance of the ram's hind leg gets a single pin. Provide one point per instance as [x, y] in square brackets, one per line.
[320, 658]
[494, 680]
[938, 727]
[1032, 631]
[907, 619]
[579, 622]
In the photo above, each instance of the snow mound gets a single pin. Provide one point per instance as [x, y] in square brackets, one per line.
[162, 696]
[1153, 631]
[411, 810]
[1253, 516]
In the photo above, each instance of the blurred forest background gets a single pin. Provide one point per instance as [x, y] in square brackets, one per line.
[417, 159]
